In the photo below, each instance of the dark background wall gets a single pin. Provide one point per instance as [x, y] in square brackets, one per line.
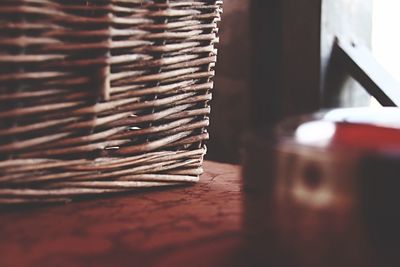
[272, 63]
[230, 102]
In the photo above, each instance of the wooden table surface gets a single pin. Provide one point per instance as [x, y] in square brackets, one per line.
[197, 225]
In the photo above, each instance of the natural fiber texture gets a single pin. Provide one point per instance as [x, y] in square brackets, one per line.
[103, 96]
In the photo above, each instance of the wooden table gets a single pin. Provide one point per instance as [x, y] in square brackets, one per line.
[197, 225]
[212, 223]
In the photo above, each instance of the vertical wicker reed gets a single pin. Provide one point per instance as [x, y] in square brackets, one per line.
[103, 96]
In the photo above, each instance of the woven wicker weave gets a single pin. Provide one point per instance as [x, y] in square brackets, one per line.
[103, 96]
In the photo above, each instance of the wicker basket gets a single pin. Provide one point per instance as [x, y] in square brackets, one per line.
[103, 96]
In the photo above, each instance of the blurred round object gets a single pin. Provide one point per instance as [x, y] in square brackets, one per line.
[336, 180]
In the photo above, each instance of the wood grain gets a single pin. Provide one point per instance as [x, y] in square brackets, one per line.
[175, 227]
